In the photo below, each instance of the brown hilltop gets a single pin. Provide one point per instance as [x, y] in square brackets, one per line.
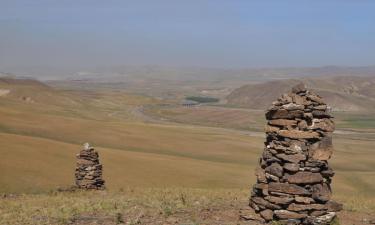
[33, 91]
[22, 81]
[342, 93]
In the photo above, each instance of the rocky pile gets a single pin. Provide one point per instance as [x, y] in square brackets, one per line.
[88, 173]
[293, 179]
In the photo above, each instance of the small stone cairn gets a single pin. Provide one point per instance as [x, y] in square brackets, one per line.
[88, 170]
[293, 179]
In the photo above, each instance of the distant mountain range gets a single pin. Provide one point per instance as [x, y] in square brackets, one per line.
[174, 73]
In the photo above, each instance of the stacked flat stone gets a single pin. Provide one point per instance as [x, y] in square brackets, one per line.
[293, 179]
[88, 172]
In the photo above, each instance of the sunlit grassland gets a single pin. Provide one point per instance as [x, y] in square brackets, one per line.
[248, 119]
[34, 164]
[216, 116]
[138, 206]
[149, 167]
[360, 121]
[38, 149]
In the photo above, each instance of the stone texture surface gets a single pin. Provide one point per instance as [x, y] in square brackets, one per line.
[88, 174]
[275, 169]
[304, 178]
[287, 188]
[267, 214]
[294, 177]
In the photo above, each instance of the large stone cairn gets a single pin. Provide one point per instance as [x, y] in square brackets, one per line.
[88, 170]
[293, 179]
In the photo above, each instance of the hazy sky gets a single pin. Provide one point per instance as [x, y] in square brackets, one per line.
[216, 33]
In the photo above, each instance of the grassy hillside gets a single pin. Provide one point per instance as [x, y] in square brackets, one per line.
[152, 206]
[39, 140]
[342, 93]
[134, 153]
[214, 116]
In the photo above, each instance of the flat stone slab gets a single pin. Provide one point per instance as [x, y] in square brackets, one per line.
[304, 178]
[287, 188]
[296, 134]
[285, 214]
[294, 158]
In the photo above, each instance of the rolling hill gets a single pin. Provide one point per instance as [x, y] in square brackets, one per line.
[39, 139]
[343, 93]
[46, 131]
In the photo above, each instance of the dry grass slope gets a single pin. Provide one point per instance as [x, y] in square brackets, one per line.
[39, 141]
[342, 93]
[150, 206]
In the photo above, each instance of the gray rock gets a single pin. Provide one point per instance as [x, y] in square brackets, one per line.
[261, 175]
[285, 214]
[324, 219]
[287, 188]
[334, 206]
[275, 169]
[283, 114]
[260, 202]
[295, 158]
[321, 192]
[324, 124]
[267, 214]
[270, 129]
[321, 114]
[279, 200]
[305, 200]
[301, 87]
[293, 167]
[304, 178]
[282, 122]
[297, 134]
[305, 207]
[293, 106]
